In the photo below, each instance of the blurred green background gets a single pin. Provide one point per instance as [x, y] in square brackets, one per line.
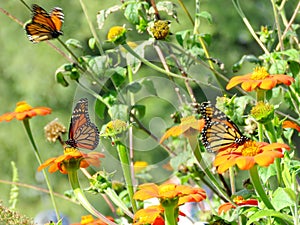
[27, 73]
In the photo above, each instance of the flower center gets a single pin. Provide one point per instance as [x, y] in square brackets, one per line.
[250, 149]
[259, 73]
[22, 107]
[70, 150]
[238, 199]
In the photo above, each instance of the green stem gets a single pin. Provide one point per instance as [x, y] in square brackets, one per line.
[259, 188]
[151, 65]
[232, 180]
[248, 25]
[116, 200]
[38, 157]
[94, 33]
[73, 178]
[171, 214]
[125, 163]
[193, 141]
[277, 23]
[272, 138]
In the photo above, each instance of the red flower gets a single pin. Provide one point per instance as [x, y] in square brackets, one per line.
[260, 78]
[240, 201]
[23, 111]
[247, 155]
[72, 158]
[152, 215]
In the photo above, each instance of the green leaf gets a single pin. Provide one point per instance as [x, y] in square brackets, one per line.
[148, 84]
[92, 43]
[165, 6]
[132, 13]
[205, 15]
[119, 112]
[14, 191]
[179, 160]
[294, 67]
[283, 197]
[99, 64]
[134, 87]
[119, 75]
[140, 110]
[100, 108]
[74, 43]
[59, 77]
[262, 214]
[103, 14]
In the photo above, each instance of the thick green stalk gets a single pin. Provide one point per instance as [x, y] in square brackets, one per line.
[125, 163]
[272, 138]
[38, 157]
[259, 188]
[73, 178]
[170, 214]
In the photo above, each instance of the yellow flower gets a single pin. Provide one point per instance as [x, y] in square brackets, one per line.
[117, 35]
[23, 111]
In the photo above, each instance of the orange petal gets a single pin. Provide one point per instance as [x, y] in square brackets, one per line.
[225, 207]
[245, 162]
[268, 83]
[266, 158]
[235, 81]
[286, 124]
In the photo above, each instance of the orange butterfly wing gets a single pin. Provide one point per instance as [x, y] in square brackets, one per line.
[82, 132]
[44, 26]
[219, 132]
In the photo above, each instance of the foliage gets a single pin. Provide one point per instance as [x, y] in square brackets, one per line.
[146, 67]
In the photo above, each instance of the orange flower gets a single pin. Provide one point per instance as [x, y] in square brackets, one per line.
[188, 126]
[290, 124]
[72, 158]
[153, 215]
[240, 201]
[260, 78]
[170, 191]
[89, 220]
[246, 155]
[23, 110]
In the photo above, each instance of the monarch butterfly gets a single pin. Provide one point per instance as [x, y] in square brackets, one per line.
[82, 132]
[44, 26]
[219, 131]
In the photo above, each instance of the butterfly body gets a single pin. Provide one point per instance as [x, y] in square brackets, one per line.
[219, 132]
[44, 26]
[82, 132]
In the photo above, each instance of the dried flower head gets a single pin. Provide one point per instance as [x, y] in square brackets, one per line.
[54, 130]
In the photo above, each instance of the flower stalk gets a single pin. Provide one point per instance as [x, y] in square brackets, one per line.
[125, 163]
[37, 155]
[73, 178]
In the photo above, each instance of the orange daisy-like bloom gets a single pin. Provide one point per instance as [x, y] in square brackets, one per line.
[23, 111]
[89, 220]
[153, 215]
[240, 201]
[290, 124]
[188, 126]
[247, 155]
[260, 78]
[170, 191]
[72, 158]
